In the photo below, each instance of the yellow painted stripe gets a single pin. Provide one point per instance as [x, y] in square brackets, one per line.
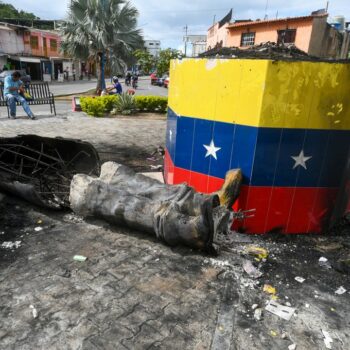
[262, 93]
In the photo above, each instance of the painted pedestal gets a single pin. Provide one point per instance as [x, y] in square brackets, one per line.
[285, 124]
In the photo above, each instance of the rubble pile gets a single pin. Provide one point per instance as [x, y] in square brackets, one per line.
[268, 50]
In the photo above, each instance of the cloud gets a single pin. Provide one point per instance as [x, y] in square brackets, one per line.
[165, 20]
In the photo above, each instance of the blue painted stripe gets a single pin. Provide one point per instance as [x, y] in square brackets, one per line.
[263, 154]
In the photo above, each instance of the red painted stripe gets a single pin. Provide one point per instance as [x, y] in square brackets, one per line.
[278, 209]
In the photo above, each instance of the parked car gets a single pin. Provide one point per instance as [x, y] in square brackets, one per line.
[154, 78]
[166, 82]
[24, 76]
[160, 81]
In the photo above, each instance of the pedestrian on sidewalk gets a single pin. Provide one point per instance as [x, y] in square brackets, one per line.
[13, 87]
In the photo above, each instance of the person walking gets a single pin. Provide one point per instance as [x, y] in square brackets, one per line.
[13, 86]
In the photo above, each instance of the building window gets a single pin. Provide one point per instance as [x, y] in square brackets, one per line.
[247, 39]
[286, 36]
[53, 44]
[34, 42]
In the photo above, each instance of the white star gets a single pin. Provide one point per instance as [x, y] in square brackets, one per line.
[300, 160]
[211, 149]
[170, 134]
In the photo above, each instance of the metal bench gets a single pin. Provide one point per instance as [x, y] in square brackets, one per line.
[39, 91]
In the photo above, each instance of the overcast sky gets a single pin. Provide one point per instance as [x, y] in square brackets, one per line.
[165, 19]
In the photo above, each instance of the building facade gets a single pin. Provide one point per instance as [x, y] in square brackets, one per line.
[311, 34]
[153, 47]
[36, 51]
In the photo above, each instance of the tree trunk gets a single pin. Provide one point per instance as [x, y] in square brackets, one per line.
[101, 83]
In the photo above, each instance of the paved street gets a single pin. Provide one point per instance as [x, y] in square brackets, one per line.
[76, 87]
[133, 292]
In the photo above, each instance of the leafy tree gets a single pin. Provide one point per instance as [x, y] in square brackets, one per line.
[145, 60]
[164, 58]
[8, 11]
[102, 30]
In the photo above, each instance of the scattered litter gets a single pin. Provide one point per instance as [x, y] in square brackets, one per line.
[156, 167]
[254, 306]
[269, 289]
[34, 311]
[11, 245]
[217, 263]
[37, 229]
[288, 303]
[39, 222]
[251, 270]
[258, 314]
[79, 258]
[299, 279]
[341, 290]
[284, 335]
[273, 333]
[292, 347]
[72, 217]
[282, 311]
[327, 339]
[323, 262]
[258, 252]
[307, 305]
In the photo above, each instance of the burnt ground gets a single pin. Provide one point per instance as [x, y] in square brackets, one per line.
[134, 292]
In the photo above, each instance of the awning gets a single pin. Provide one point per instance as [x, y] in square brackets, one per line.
[25, 59]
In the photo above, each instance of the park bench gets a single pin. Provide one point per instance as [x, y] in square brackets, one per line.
[40, 93]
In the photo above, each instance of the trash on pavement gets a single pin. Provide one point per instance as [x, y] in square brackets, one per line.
[292, 347]
[258, 314]
[39, 221]
[299, 279]
[269, 289]
[282, 311]
[258, 252]
[254, 306]
[251, 270]
[273, 333]
[323, 262]
[34, 311]
[327, 339]
[37, 229]
[11, 245]
[79, 258]
[341, 290]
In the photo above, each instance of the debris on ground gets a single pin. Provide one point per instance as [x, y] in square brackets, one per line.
[11, 245]
[292, 347]
[79, 258]
[38, 229]
[73, 218]
[251, 270]
[299, 279]
[327, 339]
[269, 289]
[258, 314]
[323, 262]
[285, 312]
[34, 311]
[258, 252]
[341, 290]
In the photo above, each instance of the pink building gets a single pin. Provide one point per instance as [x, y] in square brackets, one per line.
[311, 34]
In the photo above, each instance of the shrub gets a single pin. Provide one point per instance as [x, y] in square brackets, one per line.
[109, 101]
[98, 106]
[125, 105]
[93, 106]
[156, 104]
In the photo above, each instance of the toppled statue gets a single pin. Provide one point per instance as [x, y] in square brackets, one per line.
[176, 214]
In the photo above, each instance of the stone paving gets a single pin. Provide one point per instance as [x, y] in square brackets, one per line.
[133, 292]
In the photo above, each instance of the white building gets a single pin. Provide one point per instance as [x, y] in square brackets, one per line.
[199, 44]
[153, 47]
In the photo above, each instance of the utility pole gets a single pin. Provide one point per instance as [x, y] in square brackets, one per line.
[186, 31]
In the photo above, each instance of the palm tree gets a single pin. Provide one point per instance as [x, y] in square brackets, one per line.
[104, 31]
